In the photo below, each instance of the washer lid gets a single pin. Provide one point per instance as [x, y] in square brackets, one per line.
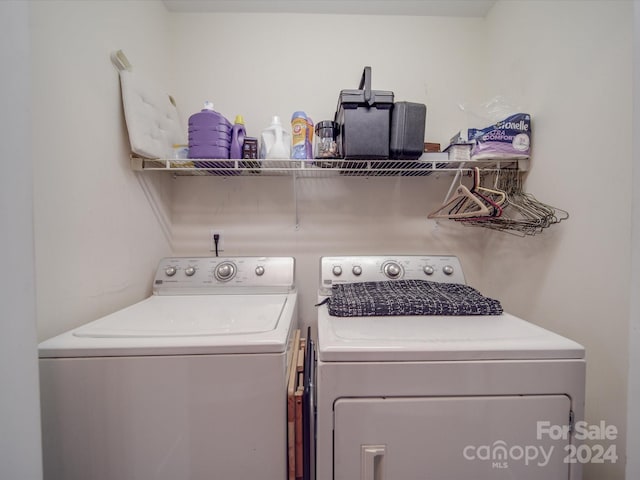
[183, 324]
[499, 337]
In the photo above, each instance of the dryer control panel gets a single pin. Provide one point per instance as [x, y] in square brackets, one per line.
[210, 275]
[377, 268]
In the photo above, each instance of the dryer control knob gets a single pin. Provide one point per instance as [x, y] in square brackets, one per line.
[428, 270]
[357, 270]
[392, 270]
[447, 269]
[170, 271]
[337, 270]
[225, 271]
[189, 271]
[260, 270]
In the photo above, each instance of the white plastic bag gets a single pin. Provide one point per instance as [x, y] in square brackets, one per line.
[498, 130]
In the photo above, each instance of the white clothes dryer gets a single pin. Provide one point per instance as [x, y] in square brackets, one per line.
[440, 397]
[187, 384]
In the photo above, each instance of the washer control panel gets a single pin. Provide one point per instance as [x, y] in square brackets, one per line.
[352, 269]
[202, 275]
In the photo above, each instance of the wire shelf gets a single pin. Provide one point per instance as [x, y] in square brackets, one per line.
[425, 166]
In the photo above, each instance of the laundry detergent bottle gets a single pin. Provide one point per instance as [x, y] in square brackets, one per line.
[209, 134]
[238, 133]
[275, 141]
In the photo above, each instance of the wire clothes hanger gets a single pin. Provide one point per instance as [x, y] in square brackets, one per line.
[522, 213]
[471, 204]
[498, 196]
[464, 204]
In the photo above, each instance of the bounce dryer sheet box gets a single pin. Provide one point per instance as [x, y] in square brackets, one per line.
[507, 139]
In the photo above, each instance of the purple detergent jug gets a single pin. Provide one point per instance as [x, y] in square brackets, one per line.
[238, 133]
[209, 134]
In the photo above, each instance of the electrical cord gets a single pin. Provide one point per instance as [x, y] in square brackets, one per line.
[216, 239]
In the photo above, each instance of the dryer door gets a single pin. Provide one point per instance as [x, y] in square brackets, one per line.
[452, 438]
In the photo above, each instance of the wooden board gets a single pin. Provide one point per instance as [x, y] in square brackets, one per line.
[295, 420]
[301, 351]
[291, 406]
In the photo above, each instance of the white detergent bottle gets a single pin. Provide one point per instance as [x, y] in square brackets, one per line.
[275, 141]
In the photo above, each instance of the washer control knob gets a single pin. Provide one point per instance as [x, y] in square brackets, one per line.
[357, 270]
[189, 271]
[337, 270]
[259, 270]
[225, 271]
[170, 271]
[428, 270]
[392, 270]
[447, 269]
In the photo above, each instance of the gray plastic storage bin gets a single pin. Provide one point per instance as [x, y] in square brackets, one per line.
[407, 130]
[364, 120]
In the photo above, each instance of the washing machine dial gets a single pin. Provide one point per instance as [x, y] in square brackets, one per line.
[170, 271]
[189, 271]
[337, 270]
[392, 270]
[447, 270]
[225, 271]
[357, 270]
[259, 270]
[428, 270]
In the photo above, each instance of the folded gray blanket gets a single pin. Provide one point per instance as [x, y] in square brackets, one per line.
[409, 297]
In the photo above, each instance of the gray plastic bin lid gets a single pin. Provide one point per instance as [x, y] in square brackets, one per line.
[364, 94]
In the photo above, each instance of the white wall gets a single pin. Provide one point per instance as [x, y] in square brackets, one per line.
[261, 65]
[267, 67]
[20, 452]
[569, 64]
[633, 398]
[97, 240]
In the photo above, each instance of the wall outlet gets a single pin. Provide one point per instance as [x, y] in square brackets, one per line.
[213, 232]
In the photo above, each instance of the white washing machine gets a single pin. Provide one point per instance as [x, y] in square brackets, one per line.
[187, 384]
[441, 397]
